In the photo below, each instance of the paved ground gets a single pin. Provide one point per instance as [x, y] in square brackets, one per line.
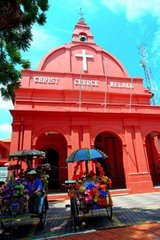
[142, 232]
[134, 217]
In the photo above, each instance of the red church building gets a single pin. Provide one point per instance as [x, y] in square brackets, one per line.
[82, 96]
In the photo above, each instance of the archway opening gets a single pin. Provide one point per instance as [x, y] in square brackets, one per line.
[52, 157]
[153, 154]
[113, 165]
[55, 146]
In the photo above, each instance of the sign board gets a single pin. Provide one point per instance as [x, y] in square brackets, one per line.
[3, 174]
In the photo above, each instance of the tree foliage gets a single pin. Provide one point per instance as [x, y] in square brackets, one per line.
[16, 21]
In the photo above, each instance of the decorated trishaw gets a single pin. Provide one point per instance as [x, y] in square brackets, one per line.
[88, 190]
[14, 194]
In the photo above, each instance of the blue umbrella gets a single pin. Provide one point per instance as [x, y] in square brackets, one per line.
[86, 154]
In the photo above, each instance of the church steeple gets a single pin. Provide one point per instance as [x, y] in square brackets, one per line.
[81, 20]
[82, 31]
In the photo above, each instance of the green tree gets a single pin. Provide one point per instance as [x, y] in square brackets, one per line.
[16, 21]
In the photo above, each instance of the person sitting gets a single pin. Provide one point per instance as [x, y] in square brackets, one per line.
[35, 190]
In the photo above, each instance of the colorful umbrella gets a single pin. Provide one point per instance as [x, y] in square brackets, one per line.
[86, 154]
[23, 154]
[27, 155]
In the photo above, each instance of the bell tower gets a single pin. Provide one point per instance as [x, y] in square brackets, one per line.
[82, 32]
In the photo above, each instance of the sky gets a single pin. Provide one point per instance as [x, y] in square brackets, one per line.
[120, 27]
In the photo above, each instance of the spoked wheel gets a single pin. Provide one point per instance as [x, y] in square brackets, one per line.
[43, 216]
[74, 213]
[2, 225]
[109, 212]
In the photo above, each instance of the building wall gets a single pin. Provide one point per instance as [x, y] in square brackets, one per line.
[72, 131]
[4, 151]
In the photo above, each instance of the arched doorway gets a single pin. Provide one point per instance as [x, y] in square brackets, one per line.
[55, 146]
[113, 165]
[52, 157]
[153, 153]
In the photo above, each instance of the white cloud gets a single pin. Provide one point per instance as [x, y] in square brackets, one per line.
[42, 39]
[62, 30]
[133, 9]
[5, 104]
[89, 5]
[6, 128]
[156, 48]
[42, 43]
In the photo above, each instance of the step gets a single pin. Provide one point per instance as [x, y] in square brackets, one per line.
[62, 196]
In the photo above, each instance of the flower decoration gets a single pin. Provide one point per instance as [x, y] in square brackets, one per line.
[14, 194]
[92, 191]
[42, 172]
[14, 197]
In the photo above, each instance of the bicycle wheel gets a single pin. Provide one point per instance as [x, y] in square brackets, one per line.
[109, 212]
[2, 225]
[74, 213]
[43, 216]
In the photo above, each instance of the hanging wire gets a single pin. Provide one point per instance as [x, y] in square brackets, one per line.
[105, 93]
[80, 92]
[131, 94]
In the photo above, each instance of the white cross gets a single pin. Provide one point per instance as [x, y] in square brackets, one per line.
[84, 56]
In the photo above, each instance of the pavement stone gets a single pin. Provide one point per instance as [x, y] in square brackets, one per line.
[139, 213]
[150, 231]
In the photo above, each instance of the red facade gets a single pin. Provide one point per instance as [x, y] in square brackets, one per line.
[81, 96]
[4, 151]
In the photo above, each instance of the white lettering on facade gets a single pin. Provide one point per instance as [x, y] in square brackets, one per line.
[121, 85]
[87, 83]
[81, 82]
[45, 80]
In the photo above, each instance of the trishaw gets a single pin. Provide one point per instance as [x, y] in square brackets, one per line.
[14, 196]
[88, 190]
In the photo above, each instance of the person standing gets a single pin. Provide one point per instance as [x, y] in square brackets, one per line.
[35, 190]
